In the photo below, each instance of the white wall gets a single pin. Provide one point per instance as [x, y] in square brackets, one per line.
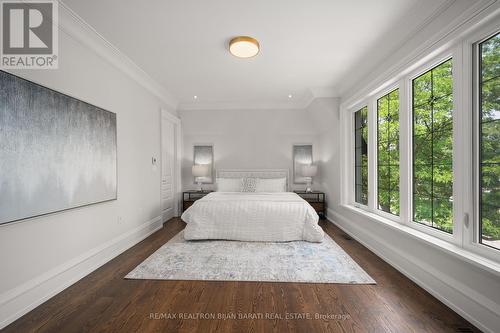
[250, 138]
[39, 256]
[325, 111]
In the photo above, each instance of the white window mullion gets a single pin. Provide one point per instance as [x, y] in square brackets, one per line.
[372, 154]
[461, 146]
[405, 158]
[349, 154]
[467, 121]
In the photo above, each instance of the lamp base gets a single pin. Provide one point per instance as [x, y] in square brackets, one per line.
[200, 188]
[309, 187]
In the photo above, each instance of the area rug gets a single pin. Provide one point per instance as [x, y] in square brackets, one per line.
[299, 261]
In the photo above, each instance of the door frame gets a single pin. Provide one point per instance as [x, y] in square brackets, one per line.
[176, 122]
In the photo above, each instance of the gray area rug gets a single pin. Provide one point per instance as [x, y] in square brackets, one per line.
[299, 261]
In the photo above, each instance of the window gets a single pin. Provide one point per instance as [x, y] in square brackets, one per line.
[434, 147]
[432, 105]
[388, 152]
[361, 155]
[489, 141]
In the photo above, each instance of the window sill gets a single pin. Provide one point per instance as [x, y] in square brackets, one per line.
[440, 244]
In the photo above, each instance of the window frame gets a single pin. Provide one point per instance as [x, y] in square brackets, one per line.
[404, 84]
[472, 232]
[352, 153]
[477, 133]
[452, 53]
[461, 49]
[374, 101]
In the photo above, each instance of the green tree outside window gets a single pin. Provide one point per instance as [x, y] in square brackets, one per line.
[361, 155]
[489, 134]
[433, 147]
[388, 152]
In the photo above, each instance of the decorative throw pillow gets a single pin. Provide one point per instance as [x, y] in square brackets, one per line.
[249, 184]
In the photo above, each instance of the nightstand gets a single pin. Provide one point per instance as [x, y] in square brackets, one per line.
[316, 200]
[189, 197]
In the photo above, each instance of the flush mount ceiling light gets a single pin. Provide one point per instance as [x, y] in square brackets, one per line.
[244, 47]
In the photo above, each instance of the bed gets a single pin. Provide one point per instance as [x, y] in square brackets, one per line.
[261, 213]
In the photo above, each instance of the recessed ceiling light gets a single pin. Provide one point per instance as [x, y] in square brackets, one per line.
[195, 97]
[244, 47]
[290, 96]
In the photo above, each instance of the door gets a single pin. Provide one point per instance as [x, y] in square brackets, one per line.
[168, 172]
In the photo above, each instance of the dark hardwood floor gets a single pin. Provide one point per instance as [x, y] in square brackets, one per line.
[105, 302]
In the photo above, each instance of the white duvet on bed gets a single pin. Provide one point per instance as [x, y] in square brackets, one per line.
[268, 217]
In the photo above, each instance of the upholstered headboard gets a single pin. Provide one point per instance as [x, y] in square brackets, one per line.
[255, 173]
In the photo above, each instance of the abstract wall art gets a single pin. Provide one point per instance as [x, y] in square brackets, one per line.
[302, 155]
[56, 152]
[204, 154]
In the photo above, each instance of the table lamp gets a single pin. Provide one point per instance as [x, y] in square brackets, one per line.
[309, 171]
[199, 171]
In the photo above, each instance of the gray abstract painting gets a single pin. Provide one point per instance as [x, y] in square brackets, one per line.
[56, 152]
[302, 155]
[204, 154]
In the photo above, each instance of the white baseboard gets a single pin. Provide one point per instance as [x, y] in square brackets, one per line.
[24, 298]
[462, 299]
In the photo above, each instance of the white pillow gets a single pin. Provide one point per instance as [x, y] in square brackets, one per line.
[229, 184]
[271, 185]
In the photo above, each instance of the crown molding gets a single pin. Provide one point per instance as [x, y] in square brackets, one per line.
[75, 27]
[297, 104]
[443, 36]
[430, 18]
[324, 92]
[78, 29]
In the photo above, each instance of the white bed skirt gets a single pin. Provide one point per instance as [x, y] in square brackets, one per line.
[243, 216]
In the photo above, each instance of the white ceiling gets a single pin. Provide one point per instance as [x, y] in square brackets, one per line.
[307, 47]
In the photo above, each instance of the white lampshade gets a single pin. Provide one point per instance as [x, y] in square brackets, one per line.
[309, 170]
[201, 170]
